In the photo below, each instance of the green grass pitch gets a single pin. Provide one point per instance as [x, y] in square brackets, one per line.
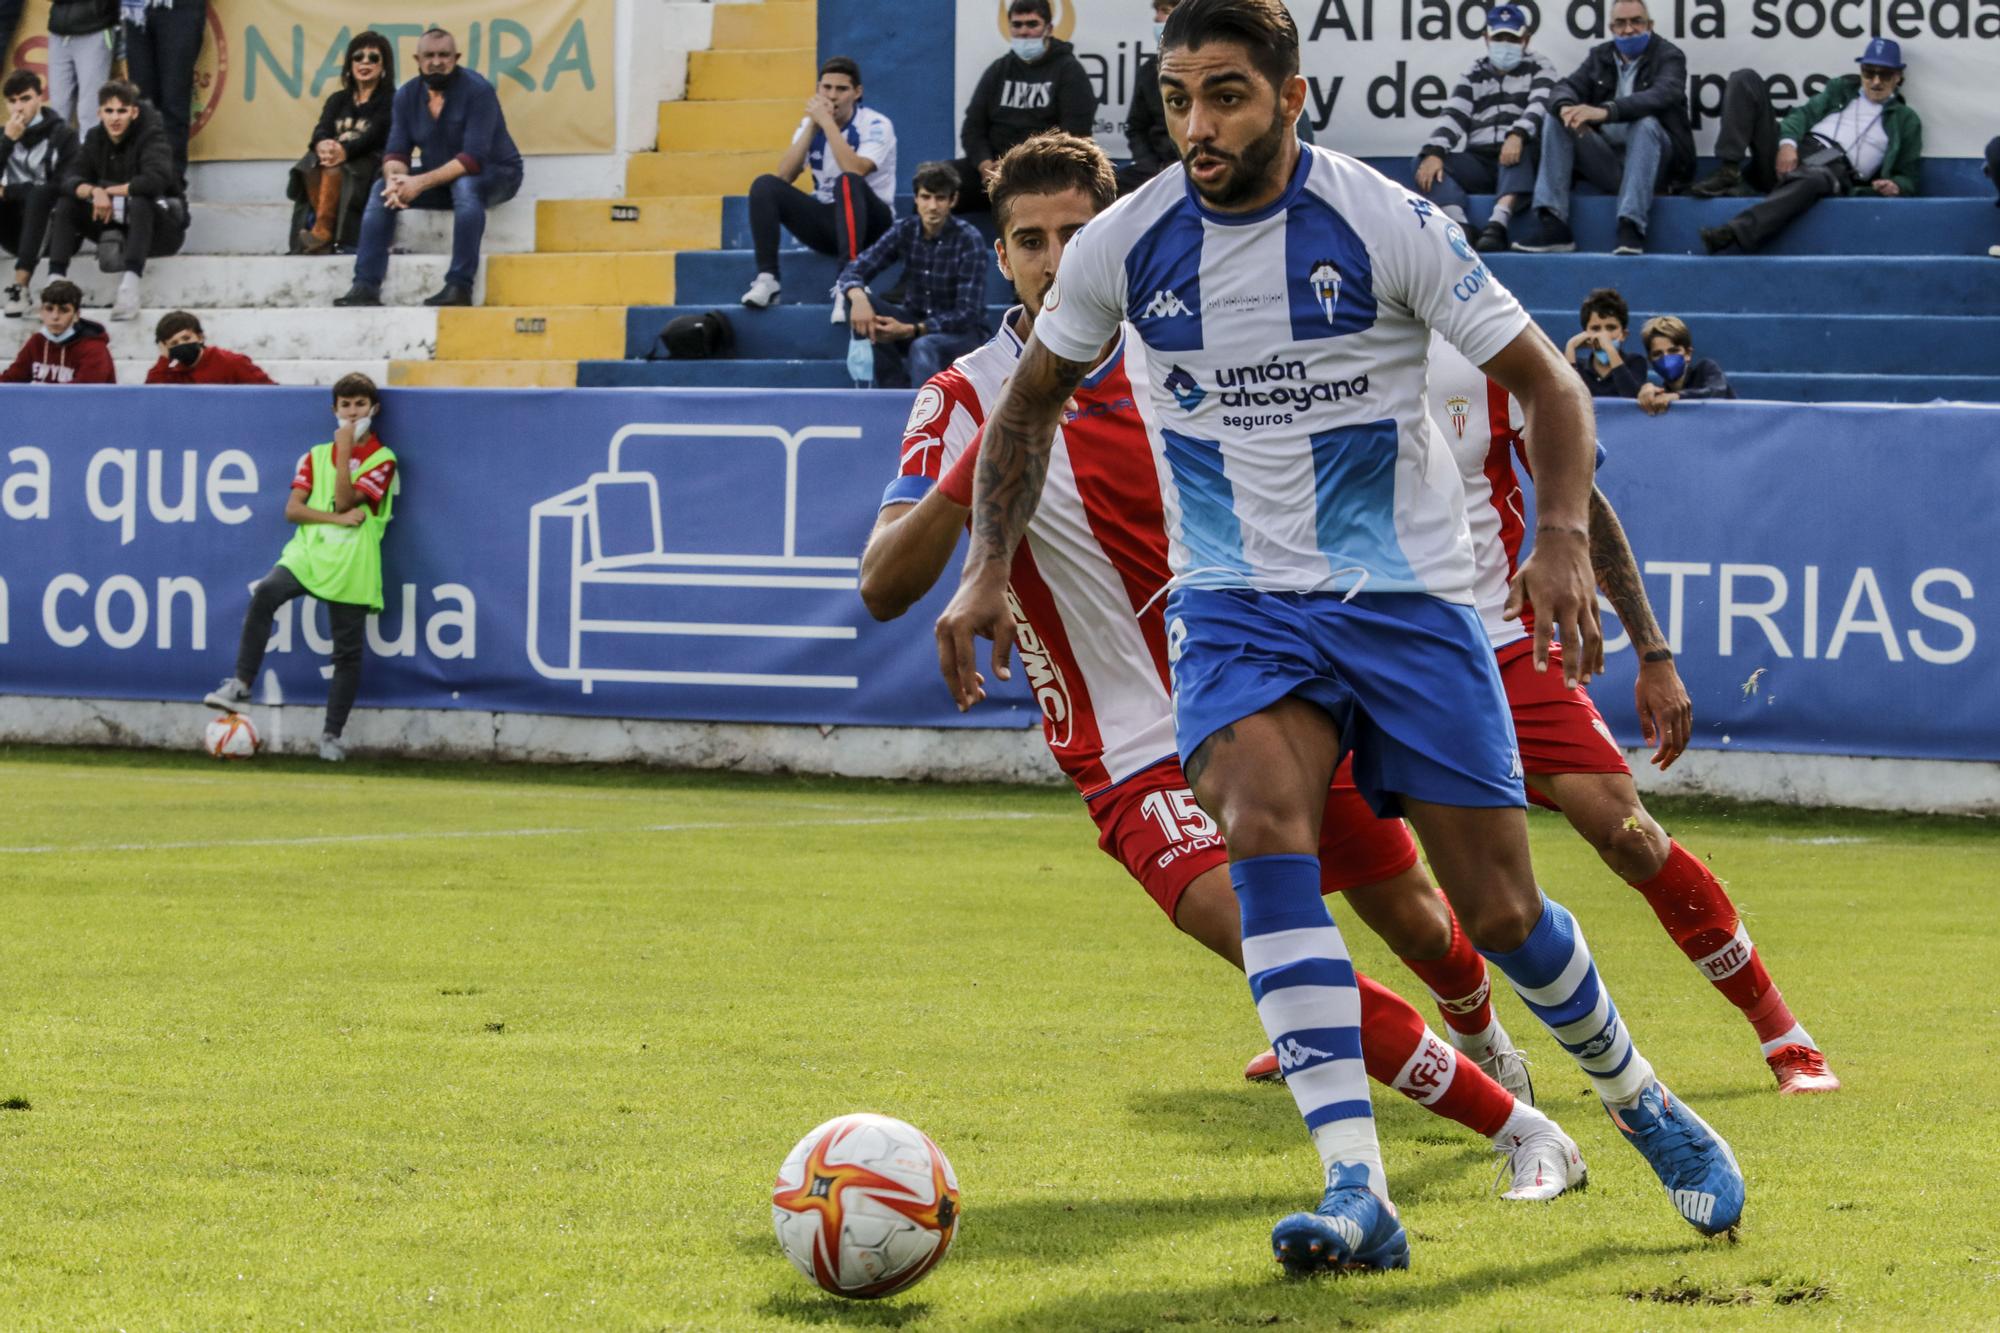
[447, 1047]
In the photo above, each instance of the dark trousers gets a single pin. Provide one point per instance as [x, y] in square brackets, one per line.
[1748, 135]
[843, 228]
[468, 198]
[161, 58]
[1478, 171]
[905, 364]
[1993, 165]
[972, 188]
[25, 211]
[149, 231]
[1793, 196]
[349, 620]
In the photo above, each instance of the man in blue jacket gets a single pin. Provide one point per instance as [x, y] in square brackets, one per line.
[1621, 122]
[450, 120]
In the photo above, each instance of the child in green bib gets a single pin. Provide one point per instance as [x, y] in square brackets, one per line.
[341, 500]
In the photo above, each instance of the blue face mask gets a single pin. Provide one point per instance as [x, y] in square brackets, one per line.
[861, 362]
[62, 337]
[1029, 48]
[1634, 46]
[1671, 366]
[1504, 55]
[1159, 31]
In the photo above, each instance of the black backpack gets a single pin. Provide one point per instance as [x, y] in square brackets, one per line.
[694, 338]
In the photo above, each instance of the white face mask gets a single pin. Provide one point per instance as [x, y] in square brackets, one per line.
[1504, 55]
[62, 337]
[1029, 48]
[361, 425]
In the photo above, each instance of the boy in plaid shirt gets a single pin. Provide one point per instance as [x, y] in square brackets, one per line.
[942, 313]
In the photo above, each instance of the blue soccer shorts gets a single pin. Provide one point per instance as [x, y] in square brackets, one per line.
[1410, 681]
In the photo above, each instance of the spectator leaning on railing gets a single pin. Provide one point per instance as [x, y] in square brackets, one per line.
[1855, 136]
[68, 350]
[1486, 141]
[1670, 352]
[83, 35]
[120, 191]
[1598, 352]
[1038, 85]
[186, 357]
[335, 177]
[36, 148]
[448, 119]
[941, 316]
[851, 151]
[1146, 136]
[162, 42]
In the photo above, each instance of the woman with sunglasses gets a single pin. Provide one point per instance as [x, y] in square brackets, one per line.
[332, 180]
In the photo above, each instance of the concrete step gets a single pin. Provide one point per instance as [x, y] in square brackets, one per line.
[201, 282]
[781, 332]
[483, 374]
[318, 373]
[761, 125]
[530, 333]
[703, 174]
[726, 373]
[719, 277]
[264, 229]
[659, 223]
[1770, 285]
[772, 24]
[736, 222]
[1850, 227]
[1792, 388]
[581, 279]
[367, 337]
[744, 75]
[1835, 345]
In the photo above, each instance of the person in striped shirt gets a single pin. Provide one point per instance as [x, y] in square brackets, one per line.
[1487, 139]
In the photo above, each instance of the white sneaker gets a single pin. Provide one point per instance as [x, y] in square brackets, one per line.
[763, 292]
[17, 300]
[127, 304]
[1544, 1163]
[1508, 1067]
[229, 696]
[331, 749]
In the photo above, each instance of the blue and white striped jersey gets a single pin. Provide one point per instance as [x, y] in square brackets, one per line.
[1286, 392]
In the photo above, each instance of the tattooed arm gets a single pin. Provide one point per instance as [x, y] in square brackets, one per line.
[1013, 463]
[1666, 715]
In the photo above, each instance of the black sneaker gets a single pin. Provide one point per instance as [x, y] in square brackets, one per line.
[1553, 238]
[17, 300]
[359, 294]
[1631, 241]
[1723, 180]
[450, 294]
[1492, 238]
[1719, 240]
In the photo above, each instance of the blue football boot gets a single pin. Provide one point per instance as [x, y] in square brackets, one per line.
[1353, 1229]
[1693, 1162]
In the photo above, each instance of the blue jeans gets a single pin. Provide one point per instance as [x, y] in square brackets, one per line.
[1478, 171]
[468, 198]
[908, 364]
[1633, 174]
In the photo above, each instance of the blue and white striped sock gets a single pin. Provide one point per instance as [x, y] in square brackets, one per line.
[1303, 983]
[1553, 974]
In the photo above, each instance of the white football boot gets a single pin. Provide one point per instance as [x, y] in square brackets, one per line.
[1544, 1163]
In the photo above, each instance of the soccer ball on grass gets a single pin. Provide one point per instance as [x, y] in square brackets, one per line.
[865, 1205]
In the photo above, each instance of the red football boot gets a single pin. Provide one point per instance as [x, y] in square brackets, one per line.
[1801, 1069]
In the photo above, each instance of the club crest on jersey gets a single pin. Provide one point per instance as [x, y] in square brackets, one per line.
[1165, 304]
[1460, 408]
[1185, 391]
[1461, 247]
[1325, 280]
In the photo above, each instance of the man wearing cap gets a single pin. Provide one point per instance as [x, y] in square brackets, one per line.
[1621, 122]
[1486, 141]
[1855, 136]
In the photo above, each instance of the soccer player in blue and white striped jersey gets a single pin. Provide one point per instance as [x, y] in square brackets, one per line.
[1322, 589]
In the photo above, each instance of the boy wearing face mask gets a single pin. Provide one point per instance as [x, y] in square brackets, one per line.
[68, 350]
[186, 357]
[1670, 352]
[1038, 85]
[1598, 351]
[341, 501]
[1486, 141]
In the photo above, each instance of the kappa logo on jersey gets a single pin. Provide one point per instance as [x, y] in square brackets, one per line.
[1325, 280]
[1292, 1053]
[1165, 304]
[1461, 247]
[1045, 678]
[1460, 408]
[1185, 391]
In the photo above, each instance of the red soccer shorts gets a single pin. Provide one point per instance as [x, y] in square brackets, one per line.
[1151, 825]
[1558, 728]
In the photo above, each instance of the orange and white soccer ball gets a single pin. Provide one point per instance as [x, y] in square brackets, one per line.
[231, 736]
[866, 1205]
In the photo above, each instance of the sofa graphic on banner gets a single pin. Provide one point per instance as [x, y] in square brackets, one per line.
[687, 561]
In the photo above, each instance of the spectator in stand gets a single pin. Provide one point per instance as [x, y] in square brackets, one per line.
[68, 350]
[1038, 85]
[1146, 134]
[337, 174]
[162, 41]
[1486, 141]
[1598, 352]
[120, 191]
[1993, 174]
[36, 148]
[1855, 136]
[1670, 352]
[83, 36]
[851, 151]
[942, 315]
[450, 119]
[186, 357]
[341, 501]
[1621, 122]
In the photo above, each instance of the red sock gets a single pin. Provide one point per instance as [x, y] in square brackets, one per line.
[1458, 982]
[1403, 1054]
[1694, 907]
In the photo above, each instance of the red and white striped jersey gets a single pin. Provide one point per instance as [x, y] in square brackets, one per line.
[1482, 423]
[1085, 582]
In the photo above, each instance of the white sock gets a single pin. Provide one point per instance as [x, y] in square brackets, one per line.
[1503, 211]
[1795, 1036]
[1475, 1047]
[1455, 213]
[1524, 1121]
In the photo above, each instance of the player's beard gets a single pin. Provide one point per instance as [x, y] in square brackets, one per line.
[1247, 170]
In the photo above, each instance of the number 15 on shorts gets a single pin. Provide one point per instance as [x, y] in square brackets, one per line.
[1178, 815]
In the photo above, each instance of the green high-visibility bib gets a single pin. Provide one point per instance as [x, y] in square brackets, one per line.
[341, 564]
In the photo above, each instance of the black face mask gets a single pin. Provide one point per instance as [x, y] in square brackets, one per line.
[436, 82]
[184, 354]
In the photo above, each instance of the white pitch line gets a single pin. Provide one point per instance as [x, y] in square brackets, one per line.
[341, 839]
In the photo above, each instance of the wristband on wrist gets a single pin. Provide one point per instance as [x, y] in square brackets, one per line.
[1658, 655]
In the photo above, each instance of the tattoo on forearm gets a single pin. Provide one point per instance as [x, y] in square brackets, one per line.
[1014, 458]
[1197, 763]
[1617, 571]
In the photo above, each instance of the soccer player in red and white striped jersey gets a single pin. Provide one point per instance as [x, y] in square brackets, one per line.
[1572, 762]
